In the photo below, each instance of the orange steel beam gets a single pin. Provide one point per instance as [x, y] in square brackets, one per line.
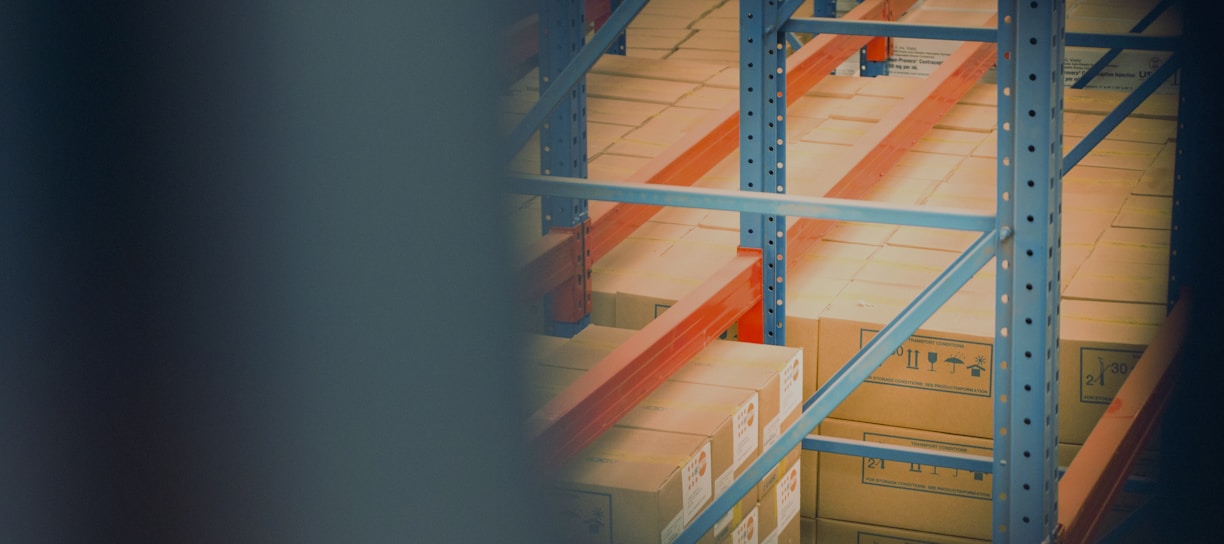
[879, 149]
[685, 161]
[1100, 468]
[549, 263]
[576, 417]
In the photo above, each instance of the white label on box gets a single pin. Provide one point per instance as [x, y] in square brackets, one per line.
[790, 386]
[672, 530]
[724, 481]
[918, 57]
[722, 526]
[788, 496]
[773, 431]
[746, 533]
[747, 429]
[697, 488]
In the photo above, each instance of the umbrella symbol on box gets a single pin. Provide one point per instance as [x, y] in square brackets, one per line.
[954, 361]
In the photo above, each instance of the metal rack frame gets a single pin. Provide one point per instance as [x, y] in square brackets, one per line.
[1023, 236]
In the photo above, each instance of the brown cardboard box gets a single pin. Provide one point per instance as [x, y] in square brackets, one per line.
[779, 501]
[895, 494]
[829, 531]
[807, 530]
[632, 485]
[775, 373]
[940, 379]
[812, 283]
[739, 526]
[728, 417]
[915, 497]
[1101, 343]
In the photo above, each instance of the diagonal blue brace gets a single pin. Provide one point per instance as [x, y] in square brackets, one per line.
[845, 380]
[1113, 53]
[567, 79]
[1115, 117]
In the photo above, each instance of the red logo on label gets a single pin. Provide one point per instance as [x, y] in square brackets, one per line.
[751, 414]
[701, 464]
[749, 527]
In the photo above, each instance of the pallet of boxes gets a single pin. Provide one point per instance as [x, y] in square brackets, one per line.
[646, 478]
[936, 390]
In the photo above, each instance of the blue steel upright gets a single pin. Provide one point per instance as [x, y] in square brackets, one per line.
[563, 138]
[871, 68]
[762, 150]
[1189, 182]
[1025, 485]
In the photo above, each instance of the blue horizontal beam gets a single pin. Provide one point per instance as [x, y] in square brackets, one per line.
[845, 380]
[1123, 41]
[1115, 117]
[887, 28]
[908, 454]
[972, 34]
[747, 202]
[904, 454]
[573, 73]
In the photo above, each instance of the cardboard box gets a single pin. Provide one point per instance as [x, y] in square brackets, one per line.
[773, 373]
[940, 379]
[657, 281]
[807, 530]
[631, 486]
[809, 469]
[830, 531]
[739, 526]
[924, 498]
[779, 501]
[895, 494]
[728, 417]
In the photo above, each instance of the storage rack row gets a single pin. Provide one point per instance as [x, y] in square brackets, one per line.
[1026, 47]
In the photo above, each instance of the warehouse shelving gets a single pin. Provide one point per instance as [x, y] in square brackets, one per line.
[1022, 236]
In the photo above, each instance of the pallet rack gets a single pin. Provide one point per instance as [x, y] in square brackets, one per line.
[1023, 236]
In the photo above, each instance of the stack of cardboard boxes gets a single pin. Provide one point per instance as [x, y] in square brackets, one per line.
[645, 479]
[937, 389]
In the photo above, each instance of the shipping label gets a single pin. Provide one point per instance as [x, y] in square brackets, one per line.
[746, 532]
[772, 432]
[790, 385]
[747, 431]
[918, 57]
[672, 530]
[723, 481]
[582, 517]
[1102, 372]
[723, 526]
[696, 486]
[936, 364]
[788, 496]
[926, 478]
